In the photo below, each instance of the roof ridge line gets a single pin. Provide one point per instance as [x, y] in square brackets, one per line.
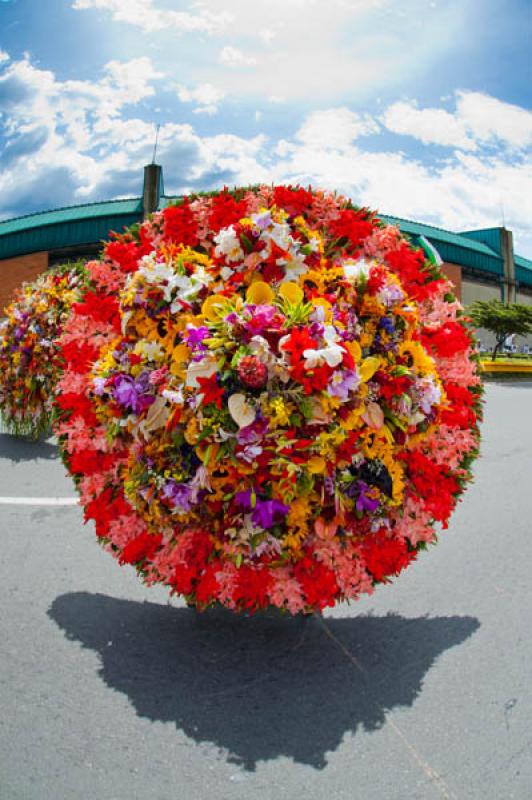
[66, 208]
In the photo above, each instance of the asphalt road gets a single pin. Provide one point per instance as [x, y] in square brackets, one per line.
[423, 691]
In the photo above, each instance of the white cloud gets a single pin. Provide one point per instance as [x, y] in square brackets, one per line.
[3, 56]
[491, 119]
[205, 96]
[143, 14]
[429, 125]
[232, 57]
[335, 128]
[478, 120]
[77, 124]
[459, 192]
[74, 141]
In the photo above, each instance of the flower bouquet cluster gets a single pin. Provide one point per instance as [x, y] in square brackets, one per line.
[29, 363]
[270, 398]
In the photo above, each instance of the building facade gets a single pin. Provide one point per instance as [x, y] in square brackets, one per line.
[481, 264]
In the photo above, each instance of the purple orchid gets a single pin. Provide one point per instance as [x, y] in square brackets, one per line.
[265, 512]
[181, 495]
[194, 336]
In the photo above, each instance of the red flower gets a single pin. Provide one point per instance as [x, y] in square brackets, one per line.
[410, 266]
[299, 340]
[433, 483]
[352, 225]
[104, 508]
[81, 356]
[226, 211]
[251, 591]
[212, 393]
[102, 308]
[186, 576]
[447, 340]
[87, 462]
[125, 254]
[179, 225]
[208, 586]
[460, 412]
[145, 545]
[317, 581]
[312, 380]
[385, 556]
[293, 200]
[79, 406]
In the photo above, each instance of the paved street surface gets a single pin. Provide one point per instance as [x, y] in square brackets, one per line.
[110, 692]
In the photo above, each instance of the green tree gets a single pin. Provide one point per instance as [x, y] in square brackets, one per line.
[501, 319]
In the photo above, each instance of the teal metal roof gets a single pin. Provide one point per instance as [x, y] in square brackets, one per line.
[91, 223]
[456, 248]
[67, 227]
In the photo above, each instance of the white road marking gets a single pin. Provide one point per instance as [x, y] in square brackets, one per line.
[39, 501]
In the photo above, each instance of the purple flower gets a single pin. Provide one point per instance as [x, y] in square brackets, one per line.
[343, 382]
[99, 386]
[364, 501]
[250, 434]
[195, 336]
[263, 220]
[131, 394]
[181, 495]
[265, 513]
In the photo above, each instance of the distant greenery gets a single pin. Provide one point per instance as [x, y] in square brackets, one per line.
[501, 319]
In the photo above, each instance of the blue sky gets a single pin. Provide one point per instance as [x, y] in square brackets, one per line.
[419, 108]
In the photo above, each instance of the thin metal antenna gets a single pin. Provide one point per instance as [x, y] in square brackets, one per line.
[156, 142]
[501, 203]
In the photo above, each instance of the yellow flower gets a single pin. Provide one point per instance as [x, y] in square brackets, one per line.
[329, 403]
[291, 291]
[259, 293]
[191, 431]
[180, 358]
[279, 412]
[214, 306]
[421, 359]
[369, 367]
[354, 349]
[316, 464]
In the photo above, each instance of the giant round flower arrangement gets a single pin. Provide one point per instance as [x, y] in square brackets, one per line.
[270, 399]
[29, 363]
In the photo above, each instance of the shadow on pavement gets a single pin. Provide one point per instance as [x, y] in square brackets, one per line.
[258, 688]
[19, 448]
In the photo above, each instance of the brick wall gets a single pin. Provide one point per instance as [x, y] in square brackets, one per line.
[454, 273]
[14, 271]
